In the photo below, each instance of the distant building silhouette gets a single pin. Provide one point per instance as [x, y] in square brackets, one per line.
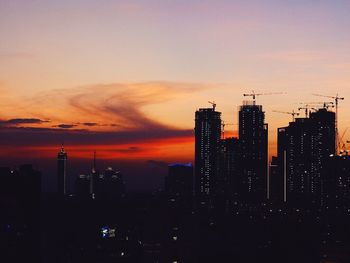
[61, 172]
[207, 142]
[253, 137]
[82, 186]
[107, 185]
[179, 181]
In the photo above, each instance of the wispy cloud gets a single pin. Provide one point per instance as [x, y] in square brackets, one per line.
[117, 106]
[90, 124]
[100, 116]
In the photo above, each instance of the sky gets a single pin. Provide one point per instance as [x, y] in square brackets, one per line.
[124, 78]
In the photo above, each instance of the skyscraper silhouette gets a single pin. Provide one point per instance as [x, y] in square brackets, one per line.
[207, 140]
[61, 171]
[253, 132]
[322, 147]
[304, 150]
[294, 154]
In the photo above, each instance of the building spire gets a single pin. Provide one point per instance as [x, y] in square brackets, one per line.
[94, 163]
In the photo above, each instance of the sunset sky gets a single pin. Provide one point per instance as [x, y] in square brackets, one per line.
[125, 77]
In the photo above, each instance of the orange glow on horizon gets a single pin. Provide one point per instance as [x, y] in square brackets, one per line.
[170, 149]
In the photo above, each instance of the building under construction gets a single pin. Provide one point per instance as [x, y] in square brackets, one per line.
[304, 150]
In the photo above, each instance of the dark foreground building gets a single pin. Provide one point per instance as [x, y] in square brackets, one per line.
[20, 191]
[179, 181]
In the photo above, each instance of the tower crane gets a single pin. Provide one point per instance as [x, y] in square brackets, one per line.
[293, 113]
[223, 124]
[336, 99]
[307, 109]
[325, 104]
[342, 144]
[254, 95]
[347, 151]
[213, 104]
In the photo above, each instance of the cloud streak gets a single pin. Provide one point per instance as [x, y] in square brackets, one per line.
[99, 116]
[65, 126]
[21, 121]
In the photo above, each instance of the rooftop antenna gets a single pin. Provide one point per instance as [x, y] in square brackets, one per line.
[62, 147]
[94, 163]
[92, 177]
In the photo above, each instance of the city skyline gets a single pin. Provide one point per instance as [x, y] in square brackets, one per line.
[175, 131]
[125, 78]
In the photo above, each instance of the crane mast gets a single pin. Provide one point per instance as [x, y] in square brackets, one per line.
[223, 124]
[254, 95]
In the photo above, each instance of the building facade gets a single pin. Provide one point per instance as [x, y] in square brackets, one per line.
[207, 142]
[304, 150]
[253, 132]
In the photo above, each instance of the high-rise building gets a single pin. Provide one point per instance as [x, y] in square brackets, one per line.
[294, 153]
[179, 181]
[228, 180]
[207, 141]
[61, 171]
[304, 149]
[253, 132]
[322, 147]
